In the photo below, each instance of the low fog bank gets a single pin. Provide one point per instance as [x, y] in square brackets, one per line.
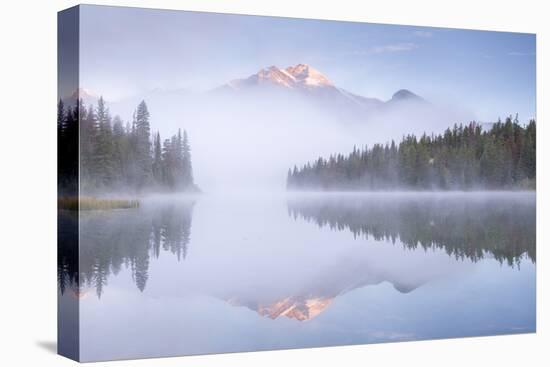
[406, 239]
[248, 142]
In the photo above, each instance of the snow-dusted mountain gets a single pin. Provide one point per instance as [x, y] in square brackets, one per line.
[307, 82]
[297, 105]
[300, 84]
[308, 306]
[404, 95]
[84, 94]
[301, 76]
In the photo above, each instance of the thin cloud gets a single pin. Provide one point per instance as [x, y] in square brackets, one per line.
[397, 47]
[518, 53]
[423, 34]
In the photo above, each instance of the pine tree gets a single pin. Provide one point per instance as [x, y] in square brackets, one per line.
[167, 164]
[61, 145]
[118, 159]
[157, 160]
[143, 146]
[88, 135]
[187, 166]
[68, 145]
[103, 150]
[60, 118]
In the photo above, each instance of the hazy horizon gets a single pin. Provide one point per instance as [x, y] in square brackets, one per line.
[248, 139]
[485, 72]
[301, 206]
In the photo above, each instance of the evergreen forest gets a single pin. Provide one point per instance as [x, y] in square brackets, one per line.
[111, 155]
[464, 157]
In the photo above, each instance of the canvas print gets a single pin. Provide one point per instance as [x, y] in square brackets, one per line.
[233, 183]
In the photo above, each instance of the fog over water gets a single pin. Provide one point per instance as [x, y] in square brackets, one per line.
[246, 141]
[245, 266]
[222, 273]
[216, 254]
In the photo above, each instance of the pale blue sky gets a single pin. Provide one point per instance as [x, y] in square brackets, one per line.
[127, 51]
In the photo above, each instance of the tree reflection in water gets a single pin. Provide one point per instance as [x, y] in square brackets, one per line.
[112, 239]
[466, 226]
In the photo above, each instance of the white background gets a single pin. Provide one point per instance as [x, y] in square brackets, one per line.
[28, 182]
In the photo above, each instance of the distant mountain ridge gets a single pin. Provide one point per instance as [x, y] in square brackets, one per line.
[311, 83]
[405, 95]
[308, 82]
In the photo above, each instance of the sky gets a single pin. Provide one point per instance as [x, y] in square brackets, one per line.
[130, 51]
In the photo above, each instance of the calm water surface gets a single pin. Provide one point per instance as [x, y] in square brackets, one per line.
[241, 273]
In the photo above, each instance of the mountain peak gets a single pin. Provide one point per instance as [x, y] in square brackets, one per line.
[405, 94]
[83, 93]
[293, 307]
[275, 75]
[297, 76]
[307, 75]
[311, 83]
[80, 94]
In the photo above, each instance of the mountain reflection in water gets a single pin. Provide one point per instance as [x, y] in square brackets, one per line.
[296, 271]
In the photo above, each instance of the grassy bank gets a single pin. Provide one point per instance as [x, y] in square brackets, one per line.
[91, 203]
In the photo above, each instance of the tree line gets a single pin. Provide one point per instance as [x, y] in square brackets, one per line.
[464, 157]
[114, 155]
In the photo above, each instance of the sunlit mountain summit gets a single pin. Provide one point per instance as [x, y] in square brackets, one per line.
[298, 76]
[307, 81]
[297, 308]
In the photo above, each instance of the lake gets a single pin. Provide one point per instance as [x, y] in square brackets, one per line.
[214, 274]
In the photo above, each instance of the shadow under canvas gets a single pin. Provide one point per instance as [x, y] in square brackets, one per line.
[48, 345]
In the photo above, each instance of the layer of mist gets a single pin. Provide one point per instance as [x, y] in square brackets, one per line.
[246, 140]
